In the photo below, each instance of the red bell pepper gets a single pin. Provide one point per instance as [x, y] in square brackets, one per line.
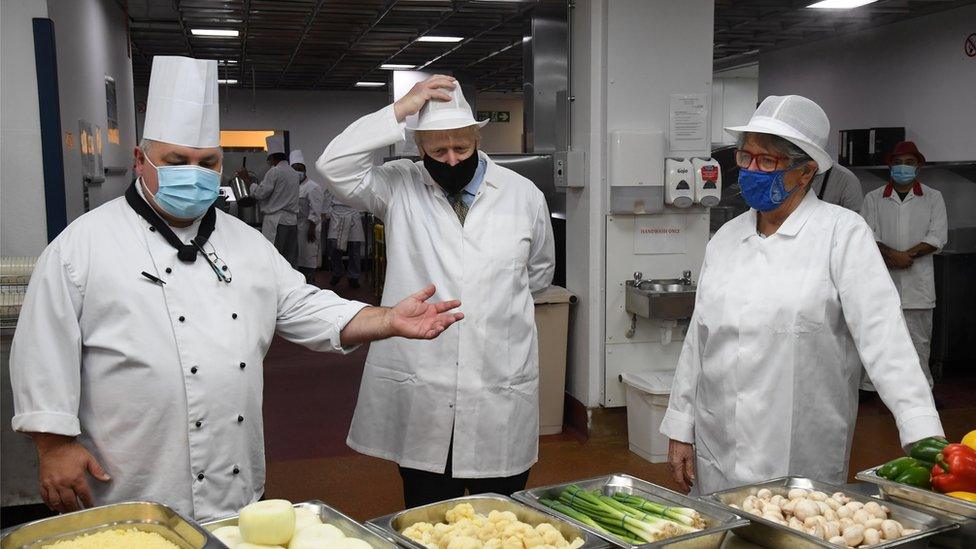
[955, 470]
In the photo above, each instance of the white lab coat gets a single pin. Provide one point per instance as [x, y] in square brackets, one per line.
[766, 384]
[130, 366]
[901, 225]
[311, 206]
[277, 195]
[479, 381]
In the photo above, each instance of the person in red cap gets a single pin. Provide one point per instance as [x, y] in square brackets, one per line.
[909, 223]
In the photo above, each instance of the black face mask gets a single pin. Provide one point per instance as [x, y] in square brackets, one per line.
[452, 178]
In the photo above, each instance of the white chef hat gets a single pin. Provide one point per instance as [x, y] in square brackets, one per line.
[275, 144]
[296, 157]
[446, 115]
[796, 119]
[182, 107]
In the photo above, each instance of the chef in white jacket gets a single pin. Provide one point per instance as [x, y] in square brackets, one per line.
[311, 207]
[346, 236]
[909, 222]
[277, 194]
[791, 293]
[138, 354]
[482, 234]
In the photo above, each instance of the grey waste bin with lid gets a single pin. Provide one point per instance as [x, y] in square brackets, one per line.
[647, 401]
[552, 323]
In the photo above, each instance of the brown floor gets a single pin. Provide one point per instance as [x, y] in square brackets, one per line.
[309, 399]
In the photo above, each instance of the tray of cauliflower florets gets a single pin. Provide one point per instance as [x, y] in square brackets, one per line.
[487, 521]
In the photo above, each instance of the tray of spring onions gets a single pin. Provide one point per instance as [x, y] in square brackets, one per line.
[629, 512]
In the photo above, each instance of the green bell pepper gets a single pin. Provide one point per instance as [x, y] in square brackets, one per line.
[894, 468]
[917, 476]
[928, 450]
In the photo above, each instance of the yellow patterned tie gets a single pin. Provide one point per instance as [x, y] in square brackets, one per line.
[460, 208]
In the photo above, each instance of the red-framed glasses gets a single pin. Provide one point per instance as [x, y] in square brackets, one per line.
[765, 162]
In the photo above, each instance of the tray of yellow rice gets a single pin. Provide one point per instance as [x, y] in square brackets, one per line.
[131, 525]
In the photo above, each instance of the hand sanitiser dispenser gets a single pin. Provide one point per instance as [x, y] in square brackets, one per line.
[679, 184]
[708, 181]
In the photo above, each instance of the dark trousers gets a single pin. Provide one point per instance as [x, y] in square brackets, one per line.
[423, 487]
[286, 241]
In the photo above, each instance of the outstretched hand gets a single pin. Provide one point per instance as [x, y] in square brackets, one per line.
[415, 318]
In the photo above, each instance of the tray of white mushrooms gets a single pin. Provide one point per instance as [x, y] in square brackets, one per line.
[793, 512]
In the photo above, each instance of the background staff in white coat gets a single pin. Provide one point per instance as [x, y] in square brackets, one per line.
[311, 207]
[277, 195]
[790, 293]
[346, 235]
[139, 351]
[910, 224]
[460, 412]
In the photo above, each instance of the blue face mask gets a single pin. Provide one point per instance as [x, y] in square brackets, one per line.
[903, 174]
[185, 192]
[764, 191]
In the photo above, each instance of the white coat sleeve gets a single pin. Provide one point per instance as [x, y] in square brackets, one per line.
[869, 211]
[679, 419]
[542, 250]
[307, 315]
[45, 358]
[347, 163]
[938, 233]
[263, 190]
[873, 313]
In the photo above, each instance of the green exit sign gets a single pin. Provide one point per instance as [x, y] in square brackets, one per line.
[495, 116]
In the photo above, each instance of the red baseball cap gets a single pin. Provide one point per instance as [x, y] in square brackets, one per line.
[905, 147]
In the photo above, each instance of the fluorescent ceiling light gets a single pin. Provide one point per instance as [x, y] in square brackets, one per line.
[220, 33]
[449, 39]
[229, 61]
[840, 4]
[395, 67]
[226, 80]
[370, 84]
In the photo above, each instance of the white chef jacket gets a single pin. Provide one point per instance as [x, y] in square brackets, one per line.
[479, 380]
[767, 381]
[130, 366]
[311, 206]
[898, 224]
[843, 188]
[277, 195]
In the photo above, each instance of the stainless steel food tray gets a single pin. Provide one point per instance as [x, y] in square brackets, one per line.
[770, 534]
[892, 490]
[483, 504]
[139, 515]
[718, 518]
[329, 515]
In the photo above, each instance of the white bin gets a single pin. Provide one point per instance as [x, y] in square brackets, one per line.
[647, 401]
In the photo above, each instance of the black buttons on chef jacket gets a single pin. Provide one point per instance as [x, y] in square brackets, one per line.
[182, 319]
[193, 370]
[200, 476]
[240, 419]
[152, 229]
[234, 316]
[199, 424]
[169, 270]
[237, 470]
[243, 365]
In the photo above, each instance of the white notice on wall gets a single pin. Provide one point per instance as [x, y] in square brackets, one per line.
[689, 122]
[660, 234]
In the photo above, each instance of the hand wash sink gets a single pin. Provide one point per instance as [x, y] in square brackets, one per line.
[661, 299]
